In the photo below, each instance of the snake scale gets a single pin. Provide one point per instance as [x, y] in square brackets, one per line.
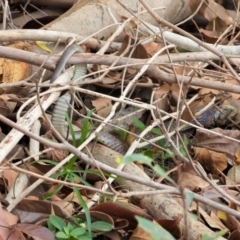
[210, 118]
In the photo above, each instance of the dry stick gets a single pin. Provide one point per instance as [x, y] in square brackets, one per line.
[132, 103]
[104, 167]
[177, 29]
[87, 160]
[161, 20]
[153, 71]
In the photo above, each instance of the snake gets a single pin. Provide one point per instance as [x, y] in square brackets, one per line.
[210, 118]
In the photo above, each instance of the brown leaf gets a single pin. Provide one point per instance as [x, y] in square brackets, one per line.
[31, 211]
[191, 182]
[138, 52]
[234, 174]
[212, 10]
[35, 231]
[55, 154]
[103, 106]
[10, 176]
[14, 71]
[235, 235]
[6, 220]
[172, 226]
[231, 223]
[216, 143]
[154, 47]
[140, 234]
[212, 161]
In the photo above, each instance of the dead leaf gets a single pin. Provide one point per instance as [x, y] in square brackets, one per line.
[172, 226]
[234, 174]
[211, 10]
[235, 235]
[135, 49]
[31, 211]
[210, 160]
[191, 182]
[55, 154]
[34, 231]
[14, 71]
[140, 234]
[154, 47]
[126, 212]
[216, 143]
[103, 106]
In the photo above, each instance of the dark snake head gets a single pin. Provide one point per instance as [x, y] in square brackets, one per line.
[224, 114]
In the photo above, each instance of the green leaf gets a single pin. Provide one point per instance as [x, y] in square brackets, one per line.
[81, 180]
[51, 227]
[49, 195]
[216, 236]
[154, 230]
[188, 198]
[78, 231]
[149, 153]
[85, 237]
[137, 157]
[71, 131]
[86, 210]
[102, 226]
[85, 127]
[162, 173]
[62, 235]
[185, 140]
[71, 162]
[137, 123]
[122, 133]
[70, 227]
[57, 222]
[46, 161]
[182, 150]
[157, 131]
[169, 152]
[66, 230]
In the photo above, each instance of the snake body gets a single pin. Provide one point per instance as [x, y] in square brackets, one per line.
[62, 104]
[208, 119]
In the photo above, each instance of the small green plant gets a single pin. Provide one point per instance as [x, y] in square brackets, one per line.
[77, 230]
[168, 151]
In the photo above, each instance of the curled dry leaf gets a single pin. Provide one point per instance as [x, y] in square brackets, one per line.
[210, 160]
[35, 231]
[103, 106]
[229, 221]
[55, 154]
[235, 235]
[211, 10]
[212, 220]
[154, 47]
[14, 71]
[191, 181]
[10, 176]
[133, 49]
[212, 36]
[140, 234]
[125, 212]
[234, 174]
[172, 226]
[31, 211]
[217, 143]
